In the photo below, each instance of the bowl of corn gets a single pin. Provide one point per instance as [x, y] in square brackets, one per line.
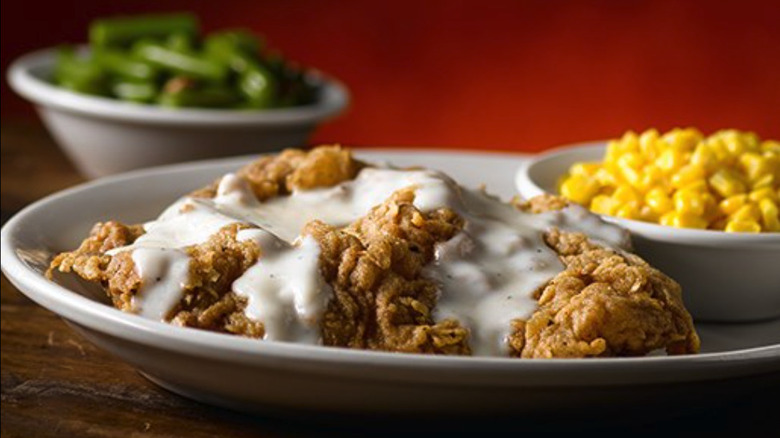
[704, 209]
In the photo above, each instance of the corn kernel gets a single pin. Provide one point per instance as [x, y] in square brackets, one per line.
[687, 175]
[670, 160]
[726, 183]
[754, 165]
[762, 193]
[603, 204]
[688, 203]
[748, 212]
[647, 214]
[584, 169]
[764, 181]
[652, 177]
[658, 201]
[696, 186]
[746, 226]
[630, 141]
[630, 175]
[751, 141]
[770, 215]
[734, 146]
[682, 140]
[682, 220]
[625, 194]
[711, 211]
[718, 148]
[731, 204]
[770, 146]
[579, 189]
[691, 221]
[647, 143]
[605, 178]
[704, 157]
[628, 211]
[669, 219]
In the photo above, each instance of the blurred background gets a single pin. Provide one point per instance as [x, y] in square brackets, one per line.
[501, 75]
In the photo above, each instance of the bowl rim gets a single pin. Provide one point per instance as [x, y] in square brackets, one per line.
[199, 343]
[528, 187]
[24, 77]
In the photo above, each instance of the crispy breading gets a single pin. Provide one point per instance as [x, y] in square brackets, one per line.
[276, 175]
[89, 260]
[381, 300]
[606, 302]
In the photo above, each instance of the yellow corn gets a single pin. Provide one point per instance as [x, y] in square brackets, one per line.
[731, 204]
[652, 177]
[770, 215]
[704, 157]
[748, 226]
[647, 143]
[770, 146]
[584, 169]
[579, 189]
[748, 212]
[670, 160]
[754, 165]
[764, 181]
[628, 211]
[687, 175]
[625, 194]
[762, 193]
[682, 139]
[728, 180]
[603, 204]
[688, 202]
[658, 201]
[726, 183]
[682, 220]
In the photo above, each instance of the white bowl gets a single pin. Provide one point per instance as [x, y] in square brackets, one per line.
[104, 136]
[254, 375]
[724, 276]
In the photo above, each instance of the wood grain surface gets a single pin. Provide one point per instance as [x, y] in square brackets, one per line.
[54, 383]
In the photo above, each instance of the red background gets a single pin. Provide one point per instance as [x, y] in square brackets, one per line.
[516, 75]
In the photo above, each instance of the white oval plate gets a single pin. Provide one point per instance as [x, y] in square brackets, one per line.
[253, 375]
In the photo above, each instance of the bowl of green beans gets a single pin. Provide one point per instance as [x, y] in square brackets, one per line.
[150, 90]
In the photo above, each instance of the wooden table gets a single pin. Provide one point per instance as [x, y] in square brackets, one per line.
[54, 383]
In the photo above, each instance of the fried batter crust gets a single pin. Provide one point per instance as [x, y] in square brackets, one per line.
[89, 261]
[276, 175]
[605, 303]
[381, 301]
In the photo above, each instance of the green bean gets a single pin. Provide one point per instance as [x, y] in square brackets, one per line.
[184, 92]
[180, 42]
[182, 63]
[239, 39]
[143, 92]
[123, 31]
[123, 65]
[79, 74]
[259, 86]
[235, 50]
[162, 59]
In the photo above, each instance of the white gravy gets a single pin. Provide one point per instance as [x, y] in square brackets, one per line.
[487, 274]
